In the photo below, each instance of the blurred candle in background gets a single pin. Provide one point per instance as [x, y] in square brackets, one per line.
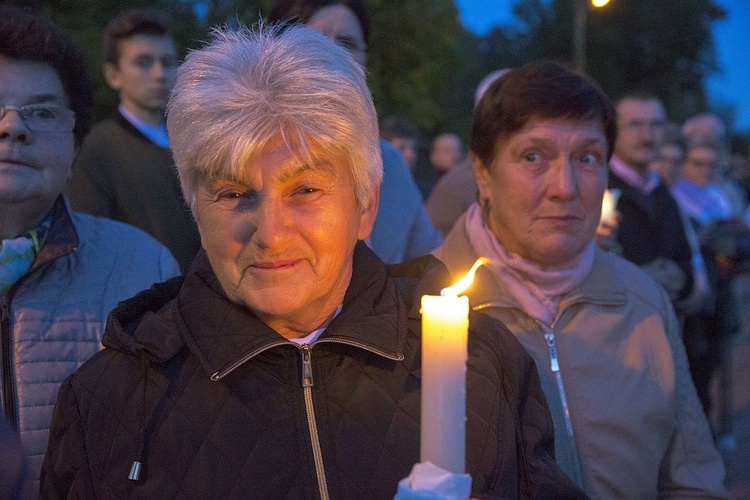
[609, 204]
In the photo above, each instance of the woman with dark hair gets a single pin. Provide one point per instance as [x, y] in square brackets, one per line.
[604, 337]
[304, 11]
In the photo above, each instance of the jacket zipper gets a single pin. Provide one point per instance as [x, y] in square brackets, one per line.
[9, 393]
[307, 383]
[554, 363]
[8, 388]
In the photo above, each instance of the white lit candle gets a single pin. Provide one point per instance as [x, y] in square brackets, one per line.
[609, 204]
[445, 327]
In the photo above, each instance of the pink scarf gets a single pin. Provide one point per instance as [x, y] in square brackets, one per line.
[537, 290]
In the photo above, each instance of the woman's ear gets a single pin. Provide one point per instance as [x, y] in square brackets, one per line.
[483, 177]
[368, 215]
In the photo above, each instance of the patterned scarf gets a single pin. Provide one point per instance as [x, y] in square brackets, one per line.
[537, 290]
[17, 255]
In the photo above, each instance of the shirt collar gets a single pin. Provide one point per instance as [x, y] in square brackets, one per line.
[633, 178]
[313, 336]
[155, 133]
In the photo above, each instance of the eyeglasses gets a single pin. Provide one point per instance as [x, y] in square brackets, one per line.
[43, 117]
[638, 124]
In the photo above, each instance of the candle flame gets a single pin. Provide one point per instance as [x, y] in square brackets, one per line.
[609, 204]
[464, 282]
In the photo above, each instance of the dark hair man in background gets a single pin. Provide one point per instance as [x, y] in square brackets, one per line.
[124, 169]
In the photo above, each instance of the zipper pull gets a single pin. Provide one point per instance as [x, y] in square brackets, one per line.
[6, 309]
[553, 363]
[307, 374]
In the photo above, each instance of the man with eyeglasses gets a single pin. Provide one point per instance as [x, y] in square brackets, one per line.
[650, 231]
[61, 272]
[124, 170]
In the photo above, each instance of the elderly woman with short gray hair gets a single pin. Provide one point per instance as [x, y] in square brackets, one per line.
[286, 364]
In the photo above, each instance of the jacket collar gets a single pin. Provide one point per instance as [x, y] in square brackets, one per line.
[62, 237]
[222, 334]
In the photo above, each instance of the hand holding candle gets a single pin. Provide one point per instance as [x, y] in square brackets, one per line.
[445, 326]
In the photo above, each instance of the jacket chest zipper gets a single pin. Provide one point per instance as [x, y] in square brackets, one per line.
[8, 387]
[307, 384]
[554, 363]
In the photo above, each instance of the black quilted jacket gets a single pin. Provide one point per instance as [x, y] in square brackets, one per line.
[210, 400]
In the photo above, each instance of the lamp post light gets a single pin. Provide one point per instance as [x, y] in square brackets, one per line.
[580, 12]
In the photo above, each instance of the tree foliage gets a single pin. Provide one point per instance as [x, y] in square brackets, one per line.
[424, 65]
[413, 55]
[665, 47]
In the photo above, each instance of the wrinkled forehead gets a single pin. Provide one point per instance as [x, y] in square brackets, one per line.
[569, 128]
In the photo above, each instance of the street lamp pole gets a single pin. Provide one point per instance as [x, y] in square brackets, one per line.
[579, 34]
[580, 12]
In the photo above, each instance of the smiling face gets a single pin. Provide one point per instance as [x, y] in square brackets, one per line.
[545, 187]
[281, 241]
[34, 166]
